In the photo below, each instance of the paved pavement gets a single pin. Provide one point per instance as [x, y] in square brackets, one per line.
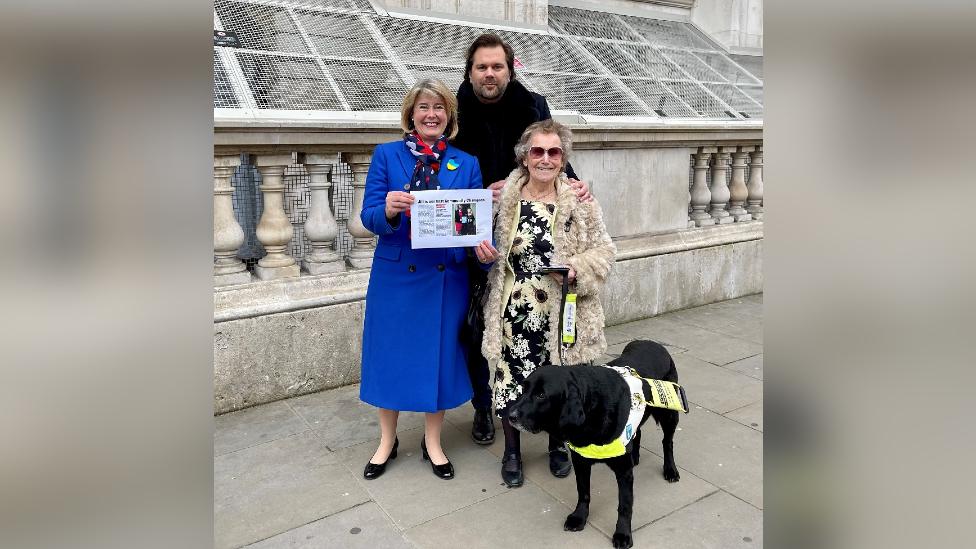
[289, 473]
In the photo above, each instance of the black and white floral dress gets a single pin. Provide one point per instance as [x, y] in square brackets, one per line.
[525, 320]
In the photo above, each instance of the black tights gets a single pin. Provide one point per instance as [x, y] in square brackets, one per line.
[513, 439]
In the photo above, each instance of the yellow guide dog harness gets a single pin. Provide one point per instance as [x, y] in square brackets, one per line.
[664, 394]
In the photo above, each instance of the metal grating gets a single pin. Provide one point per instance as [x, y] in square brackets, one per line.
[339, 35]
[614, 58]
[755, 92]
[692, 65]
[667, 33]
[586, 94]
[659, 98]
[261, 27]
[450, 76]
[337, 5]
[736, 99]
[594, 24]
[751, 63]
[340, 55]
[703, 103]
[369, 86]
[223, 92]
[427, 43]
[723, 66]
[279, 82]
[548, 53]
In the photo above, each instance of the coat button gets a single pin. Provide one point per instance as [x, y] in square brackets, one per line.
[412, 268]
[440, 266]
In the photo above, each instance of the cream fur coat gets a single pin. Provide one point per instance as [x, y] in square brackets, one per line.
[581, 241]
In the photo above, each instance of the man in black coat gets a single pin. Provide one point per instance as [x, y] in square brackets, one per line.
[493, 111]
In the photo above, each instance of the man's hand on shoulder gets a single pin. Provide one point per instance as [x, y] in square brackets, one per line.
[582, 190]
[496, 190]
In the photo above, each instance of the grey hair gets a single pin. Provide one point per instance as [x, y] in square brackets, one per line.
[545, 126]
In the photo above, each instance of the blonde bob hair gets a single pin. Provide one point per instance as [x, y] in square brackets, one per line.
[434, 87]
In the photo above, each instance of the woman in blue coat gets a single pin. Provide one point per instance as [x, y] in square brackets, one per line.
[413, 359]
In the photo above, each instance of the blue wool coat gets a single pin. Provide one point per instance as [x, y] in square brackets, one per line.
[413, 358]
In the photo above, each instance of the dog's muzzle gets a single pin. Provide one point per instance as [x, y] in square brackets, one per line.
[514, 418]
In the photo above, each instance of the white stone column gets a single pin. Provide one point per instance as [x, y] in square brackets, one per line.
[720, 187]
[228, 234]
[738, 190]
[320, 226]
[756, 184]
[700, 195]
[274, 230]
[361, 255]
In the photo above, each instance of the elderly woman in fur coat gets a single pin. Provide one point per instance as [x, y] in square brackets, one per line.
[540, 224]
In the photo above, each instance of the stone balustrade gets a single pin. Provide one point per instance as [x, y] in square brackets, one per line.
[292, 259]
[717, 199]
[714, 198]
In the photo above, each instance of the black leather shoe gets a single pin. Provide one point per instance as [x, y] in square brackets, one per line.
[375, 470]
[512, 471]
[445, 471]
[559, 462]
[483, 428]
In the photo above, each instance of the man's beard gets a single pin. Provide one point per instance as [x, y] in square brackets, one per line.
[490, 95]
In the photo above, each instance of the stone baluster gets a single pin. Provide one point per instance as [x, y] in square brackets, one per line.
[720, 186]
[228, 234]
[756, 184]
[700, 195]
[361, 255]
[274, 230]
[738, 191]
[320, 226]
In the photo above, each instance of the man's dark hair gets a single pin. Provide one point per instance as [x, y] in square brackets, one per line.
[489, 40]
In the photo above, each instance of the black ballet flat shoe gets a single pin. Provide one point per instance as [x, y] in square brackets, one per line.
[482, 427]
[445, 471]
[375, 470]
[559, 463]
[512, 471]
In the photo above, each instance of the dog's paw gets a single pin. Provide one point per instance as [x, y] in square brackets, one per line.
[574, 523]
[671, 474]
[622, 541]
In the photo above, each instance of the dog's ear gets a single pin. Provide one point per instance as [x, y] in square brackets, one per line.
[572, 414]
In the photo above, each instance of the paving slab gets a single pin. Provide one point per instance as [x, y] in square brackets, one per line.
[751, 366]
[267, 489]
[751, 305]
[365, 526]
[521, 518]
[751, 415]
[715, 387]
[410, 493]
[718, 521]
[719, 450]
[731, 322]
[341, 419]
[654, 497]
[707, 345]
[257, 425]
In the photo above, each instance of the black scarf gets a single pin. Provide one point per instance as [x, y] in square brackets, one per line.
[490, 131]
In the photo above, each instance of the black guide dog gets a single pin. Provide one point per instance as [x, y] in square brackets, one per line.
[589, 405]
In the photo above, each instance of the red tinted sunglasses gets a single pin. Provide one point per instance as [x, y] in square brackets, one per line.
[537, 152]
